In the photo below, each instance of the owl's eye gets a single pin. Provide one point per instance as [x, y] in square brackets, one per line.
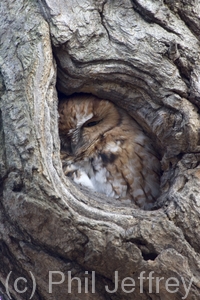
[91, 124]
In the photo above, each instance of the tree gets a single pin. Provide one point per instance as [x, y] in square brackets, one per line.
[144, 56]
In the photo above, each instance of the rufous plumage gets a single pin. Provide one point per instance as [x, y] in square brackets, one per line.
[104, 149]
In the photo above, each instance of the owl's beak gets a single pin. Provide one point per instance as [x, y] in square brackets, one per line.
[69, 148]
[75, 138]
[73, 148]
[71, 143]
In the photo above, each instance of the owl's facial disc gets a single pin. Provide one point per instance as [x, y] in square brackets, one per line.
[85, 123]
[84, 136]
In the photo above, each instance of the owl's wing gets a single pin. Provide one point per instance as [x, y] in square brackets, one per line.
[134, 171]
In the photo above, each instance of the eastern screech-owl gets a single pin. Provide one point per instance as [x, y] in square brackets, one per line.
[104, 149]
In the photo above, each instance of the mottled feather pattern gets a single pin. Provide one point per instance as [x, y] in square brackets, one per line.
[104, 149]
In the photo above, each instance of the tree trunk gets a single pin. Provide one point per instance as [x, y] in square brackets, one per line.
[144, 56]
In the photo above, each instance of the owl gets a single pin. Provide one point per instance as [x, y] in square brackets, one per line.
[104, 149]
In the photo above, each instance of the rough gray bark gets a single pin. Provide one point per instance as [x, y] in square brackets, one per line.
[144, 56]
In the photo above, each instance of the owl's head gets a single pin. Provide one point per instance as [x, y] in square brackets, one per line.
[84, 119]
